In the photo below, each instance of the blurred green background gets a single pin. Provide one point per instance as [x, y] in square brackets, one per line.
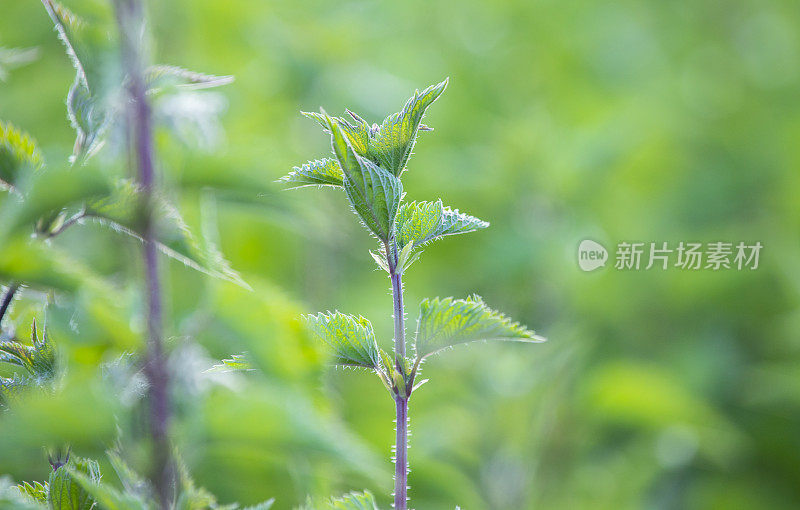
[647, 121]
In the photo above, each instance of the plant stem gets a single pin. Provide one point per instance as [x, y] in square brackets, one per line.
[8, 297]
[130, 17]
[399, 317]
[401, 401]
[401, 455]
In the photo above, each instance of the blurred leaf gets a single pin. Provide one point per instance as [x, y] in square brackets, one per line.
[107, 496]
[320, 172]
[46, 195]
[121, 211]
[446, 322]
[237, 362]
[373, 192]
[35, 490]
[67, 494]
[15, 57]
[90, 46]
[160, 77]
[17, 152]
[38, 359]
[17, 498]
[88, 117]
[350, 338]
[40, 266]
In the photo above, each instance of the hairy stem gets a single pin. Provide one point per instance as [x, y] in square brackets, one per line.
[401, 401]
[399, 318]
[401, 455]
[130, 17]
[5, 302]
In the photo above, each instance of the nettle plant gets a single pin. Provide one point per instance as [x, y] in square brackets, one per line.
[368, 163]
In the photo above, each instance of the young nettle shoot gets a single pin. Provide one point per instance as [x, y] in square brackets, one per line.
[368, 162]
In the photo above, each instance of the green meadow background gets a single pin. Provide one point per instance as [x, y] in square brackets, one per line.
[614, 121]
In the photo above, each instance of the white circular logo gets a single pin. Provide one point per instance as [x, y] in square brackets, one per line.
[591, 255]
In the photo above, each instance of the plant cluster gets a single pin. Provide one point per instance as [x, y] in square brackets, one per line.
[111, 179]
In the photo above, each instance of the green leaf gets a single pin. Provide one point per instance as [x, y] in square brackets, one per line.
[15, 57]
[422, 222]
[18, 497]
[390, 144]
[90, 46]
[454, 222]
[320, 172]
[373, 192]
[353, 501]
[88, 117]
[418, 222]
[447, 322]
[65, 492]
[17, 151]
[121, 211]
[358, 134]
[38, 359]
[108, 497]
[351, 339]
[160, 77]
[35, 491]
[236, 363]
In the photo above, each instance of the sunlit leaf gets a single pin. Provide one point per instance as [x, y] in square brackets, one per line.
[447, 322]
[373, 192]
[236, 363]
[352, 501]
[422, 222]
[350, 339]
[320, 172]
[390, 144]
[34, 490]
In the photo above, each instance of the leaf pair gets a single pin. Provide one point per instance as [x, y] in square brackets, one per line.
[442, 323]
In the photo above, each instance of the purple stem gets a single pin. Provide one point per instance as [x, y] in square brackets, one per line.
[401, 455]
[401, 401]
[130, 17]
[8, 297]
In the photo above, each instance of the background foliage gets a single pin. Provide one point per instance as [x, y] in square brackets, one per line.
[616, 121]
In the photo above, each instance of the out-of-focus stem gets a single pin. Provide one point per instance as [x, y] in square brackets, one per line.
[5, 302]
[130, 16]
